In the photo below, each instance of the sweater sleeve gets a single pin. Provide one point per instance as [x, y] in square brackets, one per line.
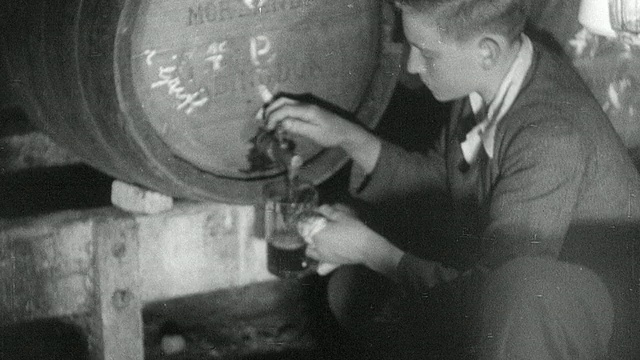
[420, 275]
[399, 174]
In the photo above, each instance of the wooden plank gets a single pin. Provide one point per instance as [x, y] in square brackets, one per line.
[199, 248]
[115, 323]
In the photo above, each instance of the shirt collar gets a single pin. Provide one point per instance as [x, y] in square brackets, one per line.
[505, 97]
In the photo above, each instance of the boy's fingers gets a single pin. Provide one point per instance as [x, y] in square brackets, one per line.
[278, 103]
[336, 211]
[345, 209]
[311, 252]
[329, 212]
[264, 111]
[294, 126]
[286, 112]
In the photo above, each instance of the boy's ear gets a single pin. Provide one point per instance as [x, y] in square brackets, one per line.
[490, 48]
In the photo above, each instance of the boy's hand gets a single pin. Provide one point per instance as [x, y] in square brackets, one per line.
[325, 128]
[346, 240]
[343, 239]
[320, 125]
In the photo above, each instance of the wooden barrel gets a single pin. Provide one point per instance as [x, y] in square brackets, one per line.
[164, 93]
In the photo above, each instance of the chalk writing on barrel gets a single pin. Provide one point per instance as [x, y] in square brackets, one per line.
[252, 4]
[244, 79]
[215, 54]
[260, 47]
[150, 54]
[214, 11]
[188, 101]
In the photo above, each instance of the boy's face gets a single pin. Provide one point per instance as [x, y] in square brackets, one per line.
[448, 68]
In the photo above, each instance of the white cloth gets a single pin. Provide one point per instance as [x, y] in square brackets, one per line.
[307, 228]
[483, 134]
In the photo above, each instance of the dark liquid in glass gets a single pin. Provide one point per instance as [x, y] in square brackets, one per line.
[285, 256]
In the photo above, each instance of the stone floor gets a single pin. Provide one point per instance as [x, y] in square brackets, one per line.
[273, 320]
[282, 320]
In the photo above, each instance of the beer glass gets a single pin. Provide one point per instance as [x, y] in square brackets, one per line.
[285, 246]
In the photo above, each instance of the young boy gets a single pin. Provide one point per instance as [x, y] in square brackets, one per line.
[530, 160]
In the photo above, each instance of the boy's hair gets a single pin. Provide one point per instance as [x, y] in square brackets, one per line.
[461, 19]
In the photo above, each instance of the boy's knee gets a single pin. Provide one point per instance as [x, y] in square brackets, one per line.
[362, 300]
[527, 276]
[352, 292]
[339, 291]
[541, 305]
